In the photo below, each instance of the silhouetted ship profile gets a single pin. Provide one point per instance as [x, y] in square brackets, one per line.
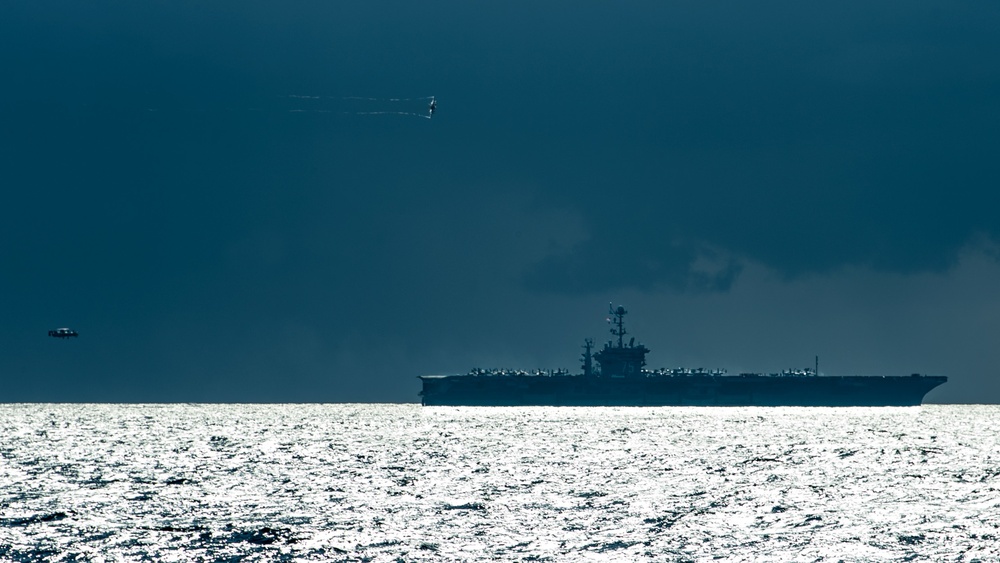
[618, 379]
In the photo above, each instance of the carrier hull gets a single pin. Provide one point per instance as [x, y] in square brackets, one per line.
[688, 390]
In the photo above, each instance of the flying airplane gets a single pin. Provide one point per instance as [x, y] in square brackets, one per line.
[63, 333]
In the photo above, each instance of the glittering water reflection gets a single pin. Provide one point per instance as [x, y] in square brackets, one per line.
[388, 482]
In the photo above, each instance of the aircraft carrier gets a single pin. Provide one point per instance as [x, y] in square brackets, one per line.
[616, 376]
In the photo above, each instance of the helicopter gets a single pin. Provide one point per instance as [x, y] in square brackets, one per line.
[63, 333]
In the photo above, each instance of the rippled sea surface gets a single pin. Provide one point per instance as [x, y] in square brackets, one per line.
[411, 483]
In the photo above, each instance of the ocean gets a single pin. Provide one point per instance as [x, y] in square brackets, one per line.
[355, 482]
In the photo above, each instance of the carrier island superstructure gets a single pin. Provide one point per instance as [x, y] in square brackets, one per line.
[616, 376]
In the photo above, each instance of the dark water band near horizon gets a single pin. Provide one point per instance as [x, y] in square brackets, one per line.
[357, 482]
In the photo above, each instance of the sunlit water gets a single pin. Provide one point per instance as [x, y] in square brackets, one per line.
[409, 483]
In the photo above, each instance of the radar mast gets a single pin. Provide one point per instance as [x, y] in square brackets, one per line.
[618, 324]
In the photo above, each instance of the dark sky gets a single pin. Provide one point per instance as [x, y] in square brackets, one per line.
[758, 183]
